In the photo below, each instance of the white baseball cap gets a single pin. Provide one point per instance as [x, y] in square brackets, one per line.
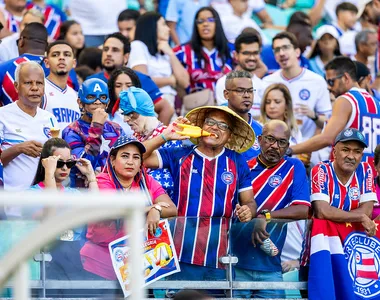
[361, 7]
[327, 29]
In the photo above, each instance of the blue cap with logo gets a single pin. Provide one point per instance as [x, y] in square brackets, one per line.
[93, 89]
[128, 139]
[351, 134]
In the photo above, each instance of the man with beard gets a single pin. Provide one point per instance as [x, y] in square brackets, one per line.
[116, 50]
[353, 108]
[247, 56]
[280, 186]
[239, 93]
[60, 99]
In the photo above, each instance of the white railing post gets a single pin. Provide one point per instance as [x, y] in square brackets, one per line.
[21, 282]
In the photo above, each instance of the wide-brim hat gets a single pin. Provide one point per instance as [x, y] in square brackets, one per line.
[242, 136]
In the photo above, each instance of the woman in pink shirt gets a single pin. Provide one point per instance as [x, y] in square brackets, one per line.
[124, 172]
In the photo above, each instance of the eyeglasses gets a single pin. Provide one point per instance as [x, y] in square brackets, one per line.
[241, 91]
[69, 163]
[221, 125]
[282, 143]
[331, 81]
[208, 20]
[283, 48]
[249, 53]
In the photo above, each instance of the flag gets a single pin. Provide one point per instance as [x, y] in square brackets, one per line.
[344, 262]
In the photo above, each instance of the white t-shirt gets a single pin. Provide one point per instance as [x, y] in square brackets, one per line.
[97, 17]
[8, 47]
[307, 88]
[330, 7]
[61, 103]
[158, 65]
[223, 7]
[233, 25]
[17, 127]
[258, 85]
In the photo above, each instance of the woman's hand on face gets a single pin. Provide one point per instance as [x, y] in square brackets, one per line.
[164, 47]
[84, 166]
[50, 163]
[152, 220]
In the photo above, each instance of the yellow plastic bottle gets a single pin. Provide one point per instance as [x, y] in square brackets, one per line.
[193, 131]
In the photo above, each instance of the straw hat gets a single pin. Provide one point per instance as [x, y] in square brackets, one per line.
[242, 137]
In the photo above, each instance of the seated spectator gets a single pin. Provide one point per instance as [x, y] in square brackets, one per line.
[325, 48]
[92, 58]
[54, 16]
[180, 18]
[124, 173]
[226, 186]
[366, 47]
[138, 111]
[277, 104]
[71, 32]
[83, 72]
[376, 208]
[364, 79]
[8, 46]
[121, 79]
[91, 136]
[208, 56]
[281, 191]
[126, 22]
[152, 55]
[235, 22]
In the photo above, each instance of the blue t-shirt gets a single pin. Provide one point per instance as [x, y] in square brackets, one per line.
[274, 188]
[254, 151]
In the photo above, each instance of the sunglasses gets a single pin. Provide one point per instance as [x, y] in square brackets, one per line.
[331, 81]
[69, 164]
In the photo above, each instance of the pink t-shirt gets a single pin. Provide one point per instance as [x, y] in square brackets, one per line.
[94, 254]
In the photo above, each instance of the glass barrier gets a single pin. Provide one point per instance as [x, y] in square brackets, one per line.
[219, 256]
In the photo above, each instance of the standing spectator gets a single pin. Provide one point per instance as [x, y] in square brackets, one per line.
[54, 16]
[239, 94]
[24, 127]
[152, 55]
[366, 47]
[32, 45]
[353, 108]
[280, 186]
[60, 99]
[180, 16]
[277, 104]
[71, 32]
[247, 56]
[309, 90]
[8, 46]
[325, 48]
[126, 22]
[208, 56]
[11, 15]
[209, 198]
[236, 21]
[116, 50]
[90, 14]
[92, 135]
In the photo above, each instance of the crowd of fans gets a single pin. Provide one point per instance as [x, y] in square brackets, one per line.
[93, 96]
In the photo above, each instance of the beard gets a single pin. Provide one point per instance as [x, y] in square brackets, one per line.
[61, 73]
[109, 69]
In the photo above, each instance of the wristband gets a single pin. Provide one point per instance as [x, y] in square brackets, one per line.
[164, 138]
[267, 215]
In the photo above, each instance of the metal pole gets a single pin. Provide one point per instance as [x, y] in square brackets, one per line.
[21, 282]
[135, 224]
[43, 275]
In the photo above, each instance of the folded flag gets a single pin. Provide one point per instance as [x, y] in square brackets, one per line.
[344, 262]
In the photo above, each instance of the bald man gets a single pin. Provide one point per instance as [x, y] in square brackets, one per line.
[281, 191]
[24, 128]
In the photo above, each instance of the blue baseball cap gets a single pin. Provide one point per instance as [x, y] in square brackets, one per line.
[351, 134]
[136, 100]
[128, 139]
[93, 89]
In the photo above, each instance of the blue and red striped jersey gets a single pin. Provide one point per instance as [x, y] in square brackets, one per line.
[206, 189]
[8, 93]
[204, 74]
[53, 17]
[326, 186]
[274, 188]
[365, 117]
[12, 22]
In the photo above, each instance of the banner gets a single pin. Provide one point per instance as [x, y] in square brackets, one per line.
[160, 257]
[344, 262]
